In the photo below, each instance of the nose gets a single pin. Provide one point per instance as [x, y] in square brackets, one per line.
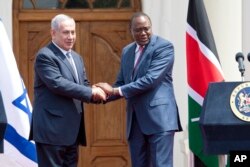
[70, 36]
[143, 31]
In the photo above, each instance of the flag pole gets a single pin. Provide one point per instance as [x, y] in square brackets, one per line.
[222, 160]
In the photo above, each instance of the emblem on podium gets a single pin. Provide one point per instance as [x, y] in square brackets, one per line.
[240, 101]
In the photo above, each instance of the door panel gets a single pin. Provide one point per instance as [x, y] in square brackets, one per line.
[34, 36]
[101, 46]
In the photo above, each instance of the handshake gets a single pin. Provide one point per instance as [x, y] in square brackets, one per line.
[101, 91]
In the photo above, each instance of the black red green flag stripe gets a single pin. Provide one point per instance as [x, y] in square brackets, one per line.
[203, 67]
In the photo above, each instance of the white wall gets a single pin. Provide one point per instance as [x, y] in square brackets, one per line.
[246, 35]
[226, 22]
[6, 16]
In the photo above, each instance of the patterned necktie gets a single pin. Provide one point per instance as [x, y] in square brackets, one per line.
[72, 63]
[137, 60]
[138, 57]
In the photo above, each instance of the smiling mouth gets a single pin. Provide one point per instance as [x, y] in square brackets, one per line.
[144, 40]
[70, 43]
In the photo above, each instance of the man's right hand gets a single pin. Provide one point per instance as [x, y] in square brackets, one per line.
[108, 89]
[98, 94]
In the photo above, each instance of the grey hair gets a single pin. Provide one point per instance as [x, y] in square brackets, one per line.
[55, 22]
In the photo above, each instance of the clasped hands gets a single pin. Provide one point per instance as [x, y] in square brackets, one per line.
[101, 91]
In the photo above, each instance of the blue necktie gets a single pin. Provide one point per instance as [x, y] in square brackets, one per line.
[72, 63]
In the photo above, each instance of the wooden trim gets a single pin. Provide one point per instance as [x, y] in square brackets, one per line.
[83, 16]
[15, 29]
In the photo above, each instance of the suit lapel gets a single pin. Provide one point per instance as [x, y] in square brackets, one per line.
[144, 55]
[130, 63]
[61, 56]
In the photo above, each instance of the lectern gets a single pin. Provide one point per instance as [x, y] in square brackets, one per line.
[3, 123]
[225, 118]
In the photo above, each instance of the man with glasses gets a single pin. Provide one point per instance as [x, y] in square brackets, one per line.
[145, 81]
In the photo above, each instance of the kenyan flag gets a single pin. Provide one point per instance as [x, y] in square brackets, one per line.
[203, 67]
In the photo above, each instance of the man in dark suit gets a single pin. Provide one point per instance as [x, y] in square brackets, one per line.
[145, 80]
[60, 87]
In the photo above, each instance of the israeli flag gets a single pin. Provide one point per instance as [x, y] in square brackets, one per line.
[17, 106]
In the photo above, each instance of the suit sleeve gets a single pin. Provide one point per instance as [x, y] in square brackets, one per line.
[52, 74]
[159, 69]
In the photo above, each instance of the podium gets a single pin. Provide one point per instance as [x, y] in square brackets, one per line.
[3, 123]
[225, 118]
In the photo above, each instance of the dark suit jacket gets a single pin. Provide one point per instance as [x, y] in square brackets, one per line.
[150, 92]
[57, 109]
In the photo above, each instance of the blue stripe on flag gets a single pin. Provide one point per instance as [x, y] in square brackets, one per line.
[26, 147]
[18, 103]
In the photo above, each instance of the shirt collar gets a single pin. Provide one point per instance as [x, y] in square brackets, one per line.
[62, 50]
[137, 48]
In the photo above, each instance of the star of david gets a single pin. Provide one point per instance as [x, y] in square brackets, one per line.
[21, 102]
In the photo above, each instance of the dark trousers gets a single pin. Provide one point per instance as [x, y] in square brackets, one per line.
[57, 156]
[154, 150]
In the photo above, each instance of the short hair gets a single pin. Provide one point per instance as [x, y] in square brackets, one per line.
[138, 14]
[55, 22]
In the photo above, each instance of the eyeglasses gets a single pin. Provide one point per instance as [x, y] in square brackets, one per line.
[139, 30]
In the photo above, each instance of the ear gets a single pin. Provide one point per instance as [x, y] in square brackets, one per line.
[131, 31]
[52, 32]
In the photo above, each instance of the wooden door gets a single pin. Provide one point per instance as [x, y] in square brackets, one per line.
[101, 35]
[101, 45]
